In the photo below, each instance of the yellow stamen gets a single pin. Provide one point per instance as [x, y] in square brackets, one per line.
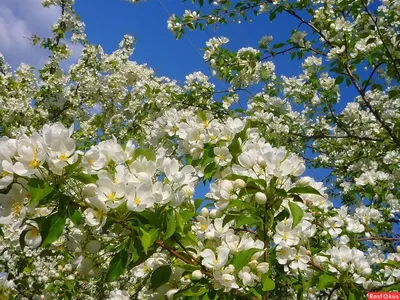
[137, 201]
[16, 208]
[63, 157]
[111, 196]
[34, 163]
[4, 174]
[34, 232]
[99, 213]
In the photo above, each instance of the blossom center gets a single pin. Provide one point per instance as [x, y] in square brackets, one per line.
[137, 201]
[63, 157]
[99, 213]
[34, 163]
[112, 196]
[16, 208]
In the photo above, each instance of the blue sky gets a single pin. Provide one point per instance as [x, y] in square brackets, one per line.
[108, 20]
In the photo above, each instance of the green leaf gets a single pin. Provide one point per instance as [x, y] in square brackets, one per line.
[68, 170]
[235, 147]
[160, 276]
[325, 281]
[179, 222]
[197, 203]
[255, 293]
[22, 239]
[284, 214]
[195, 291]
[186, 214]
[243, 258]
[38, 190]
[394, 287]
[304, 190]
[171, 224]
[247, 220]
[210, 170]
[339, 80]
[235, 204]
[52, 227]
[267, 283]
[76, 217]
[117, 265]
[394, 93]
[229, 217]
[297, 213]
[151, 217]
[272, 16]
[85, 178]
[146, 152]
[148, 238]
[351, 296]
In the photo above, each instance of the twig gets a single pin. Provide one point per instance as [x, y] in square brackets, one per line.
[378, 238]
[174, 253]
[184, 249]
[316, 266]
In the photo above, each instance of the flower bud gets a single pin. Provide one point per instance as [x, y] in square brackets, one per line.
[68, 268]
[213, 213]
[263, 267]
[239, 183]
[253, 264]
[197, 275]
[398, 249]
[366, 272]
[304, 181]
[205, 212]
[261, 198]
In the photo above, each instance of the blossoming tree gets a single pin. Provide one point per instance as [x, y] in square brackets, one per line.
[98, 164]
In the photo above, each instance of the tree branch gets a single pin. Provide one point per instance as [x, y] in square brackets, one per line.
[174, 253]
[378, 238]
[374, 20]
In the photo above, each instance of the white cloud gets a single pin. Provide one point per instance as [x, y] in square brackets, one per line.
[19, 19]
